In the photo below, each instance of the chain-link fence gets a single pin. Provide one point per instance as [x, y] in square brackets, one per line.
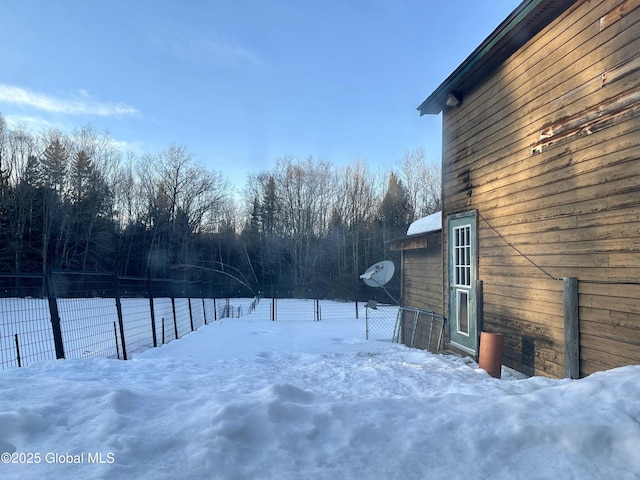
[410, 326]
[381, 320]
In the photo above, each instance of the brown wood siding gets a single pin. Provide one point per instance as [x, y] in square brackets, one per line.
[549, 155]
[609, 325]
[422, 288]
[422, 274]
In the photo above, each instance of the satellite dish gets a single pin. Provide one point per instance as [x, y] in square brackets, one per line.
[378, 274]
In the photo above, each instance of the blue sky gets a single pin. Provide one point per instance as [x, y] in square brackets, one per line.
[240, 83]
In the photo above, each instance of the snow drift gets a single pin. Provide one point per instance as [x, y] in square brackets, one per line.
[254, 399]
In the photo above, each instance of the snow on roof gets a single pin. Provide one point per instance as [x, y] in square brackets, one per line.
[430, 223]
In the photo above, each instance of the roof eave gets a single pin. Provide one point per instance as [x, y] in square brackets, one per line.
[531, 16]
[414, 241]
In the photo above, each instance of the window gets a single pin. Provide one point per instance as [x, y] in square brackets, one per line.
[463, 312]
[462, 255]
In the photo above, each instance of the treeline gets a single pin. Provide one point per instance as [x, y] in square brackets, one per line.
[304, 227]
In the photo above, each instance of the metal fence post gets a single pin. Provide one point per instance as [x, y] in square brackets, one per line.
[120, 320]
[153, 316]
[415, 326]
[173, 308]
[55, 316]
[204, 311]
[366, 321]
[115, 335]
[190, 313]
[18, 352]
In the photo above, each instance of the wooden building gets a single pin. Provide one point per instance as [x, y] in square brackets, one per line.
[421, 264]
[421, 277]
[541, 189]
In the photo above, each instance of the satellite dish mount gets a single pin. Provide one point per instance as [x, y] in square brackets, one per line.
[378, 275]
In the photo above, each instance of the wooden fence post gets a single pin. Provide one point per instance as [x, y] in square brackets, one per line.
[571, 328]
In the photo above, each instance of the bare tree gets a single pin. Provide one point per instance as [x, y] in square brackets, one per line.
[183, 198]
[422, 182]
[305, 191]
[5, 171]
[356, 207]
[18, 177]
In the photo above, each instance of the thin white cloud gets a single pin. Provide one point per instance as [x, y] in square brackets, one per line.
[32, 123]
[226, 47]
[84, 105]
[207, 46]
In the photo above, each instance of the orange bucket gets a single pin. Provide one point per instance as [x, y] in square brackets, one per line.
[490, 358]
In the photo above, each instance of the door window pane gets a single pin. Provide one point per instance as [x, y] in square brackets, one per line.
[462, 256]
[463, 312]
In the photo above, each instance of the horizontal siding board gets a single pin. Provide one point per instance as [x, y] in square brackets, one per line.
[614, 353]
[533, 313]
[554, 243]
[608, 291]
[422, 277]
[496, 293]
[627, 337]
[593, 260]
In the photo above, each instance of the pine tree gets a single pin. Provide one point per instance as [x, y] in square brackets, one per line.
[395, 210]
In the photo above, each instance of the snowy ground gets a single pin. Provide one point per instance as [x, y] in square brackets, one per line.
[254, 399]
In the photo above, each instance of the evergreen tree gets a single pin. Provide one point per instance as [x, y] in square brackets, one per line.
[395, 210]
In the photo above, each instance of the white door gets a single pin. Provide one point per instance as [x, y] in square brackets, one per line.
[463, 273]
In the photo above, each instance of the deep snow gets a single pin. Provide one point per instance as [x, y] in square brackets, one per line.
[254, 399]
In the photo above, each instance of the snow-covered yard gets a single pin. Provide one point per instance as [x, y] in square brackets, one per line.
[295, 399]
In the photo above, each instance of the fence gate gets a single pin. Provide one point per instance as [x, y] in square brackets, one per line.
[420, 328]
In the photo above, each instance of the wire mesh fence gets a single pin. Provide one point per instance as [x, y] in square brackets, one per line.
[88, 314]
[25, 326]
[68, 314]
[138, 321]
[164, 320]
